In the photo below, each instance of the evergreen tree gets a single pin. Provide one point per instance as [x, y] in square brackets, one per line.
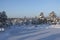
[52, 14]
[42, 15]
[42, 18]
[52, 17]
[3, 18]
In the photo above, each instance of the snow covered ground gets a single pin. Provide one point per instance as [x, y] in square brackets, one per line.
[32, 32]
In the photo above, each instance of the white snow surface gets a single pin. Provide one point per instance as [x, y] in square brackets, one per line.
[32, 32]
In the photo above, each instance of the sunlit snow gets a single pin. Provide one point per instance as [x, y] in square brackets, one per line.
[31, 32]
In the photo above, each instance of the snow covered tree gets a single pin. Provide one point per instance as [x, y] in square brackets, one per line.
[41, 15]
[52, 17]
[3, 18]
[52, 14]
[42, 18]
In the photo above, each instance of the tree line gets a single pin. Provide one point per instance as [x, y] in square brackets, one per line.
[52, 18]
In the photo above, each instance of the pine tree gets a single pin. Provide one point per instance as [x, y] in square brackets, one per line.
[3, 18]
[52, 14]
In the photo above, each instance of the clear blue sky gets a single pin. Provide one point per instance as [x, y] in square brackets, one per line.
[21, 8]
